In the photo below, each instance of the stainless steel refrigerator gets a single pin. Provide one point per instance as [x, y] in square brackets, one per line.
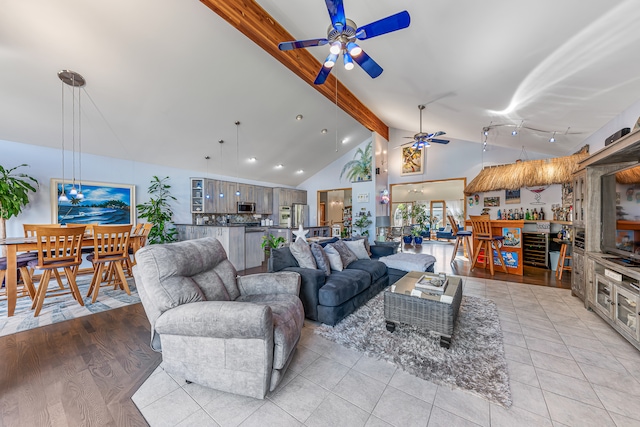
[299, 215]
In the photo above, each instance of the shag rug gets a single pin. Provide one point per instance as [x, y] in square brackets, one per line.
[64, 307]
[475, 362]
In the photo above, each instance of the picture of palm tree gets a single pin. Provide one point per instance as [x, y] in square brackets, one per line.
[359, 169]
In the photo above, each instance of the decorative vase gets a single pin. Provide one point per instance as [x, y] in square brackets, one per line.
[417, 240]
[407, 240]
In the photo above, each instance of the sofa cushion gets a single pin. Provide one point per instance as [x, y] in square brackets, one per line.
[322, 261]
[358, 248]
[343, 285]
[302, 253]
[346, 255]
[288, 318]
[335, 261]
[376, 269]
[281, 258]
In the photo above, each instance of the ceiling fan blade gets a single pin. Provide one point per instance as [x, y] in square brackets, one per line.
[439, 141]
[322, 75]
[385, 25]
[368, 64]
[336, 12]
[298, 44]
[437, 134]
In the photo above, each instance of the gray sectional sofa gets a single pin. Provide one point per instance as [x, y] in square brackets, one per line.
[329, 299]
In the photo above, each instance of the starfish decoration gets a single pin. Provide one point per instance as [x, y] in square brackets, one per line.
[301, 233]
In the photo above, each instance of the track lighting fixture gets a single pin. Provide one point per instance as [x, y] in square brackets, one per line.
[553, 137]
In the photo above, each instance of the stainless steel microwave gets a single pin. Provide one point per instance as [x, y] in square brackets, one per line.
[246, 207]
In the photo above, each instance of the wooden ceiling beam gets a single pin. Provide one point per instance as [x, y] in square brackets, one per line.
[254, 22]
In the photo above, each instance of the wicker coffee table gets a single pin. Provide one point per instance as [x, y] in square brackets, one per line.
[436, 313]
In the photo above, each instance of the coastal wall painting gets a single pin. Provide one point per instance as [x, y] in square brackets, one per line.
[412, 161]
[103, 203]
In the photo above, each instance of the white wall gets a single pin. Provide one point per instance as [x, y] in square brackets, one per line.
[328, 179]
[45, 163]
[626, 119]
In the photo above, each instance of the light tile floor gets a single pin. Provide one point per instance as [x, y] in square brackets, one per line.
[567, 367]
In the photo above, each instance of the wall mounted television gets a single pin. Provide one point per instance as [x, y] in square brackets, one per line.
[621, 214]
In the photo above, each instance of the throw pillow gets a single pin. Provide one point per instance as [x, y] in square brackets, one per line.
[322, 261]
[358, 248]
[334, 257]
[346, 255]
[302, 253]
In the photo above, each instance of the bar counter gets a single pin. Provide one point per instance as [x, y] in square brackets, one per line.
[511, 245]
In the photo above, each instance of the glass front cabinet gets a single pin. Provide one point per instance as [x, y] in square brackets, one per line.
[626, 310]
[603, 296]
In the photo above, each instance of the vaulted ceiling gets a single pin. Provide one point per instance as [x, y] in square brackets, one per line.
[167, 79]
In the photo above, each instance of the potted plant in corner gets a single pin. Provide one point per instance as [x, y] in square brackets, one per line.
[158, 212]
[270, 241]
[422, 219]
[14, 194]
[417, 236]
[405, 214]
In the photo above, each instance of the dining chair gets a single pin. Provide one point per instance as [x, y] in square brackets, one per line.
[136, 241]
[30, 231]
[110, 252]
[26, 287]
[481, 225]
[58, 248]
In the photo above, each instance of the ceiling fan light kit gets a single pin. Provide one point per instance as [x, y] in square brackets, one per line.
[342, 35]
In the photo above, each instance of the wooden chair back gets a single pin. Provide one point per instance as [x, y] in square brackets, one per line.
[454, 226]
[110, 242]
[59, 247]
[88, 227]
[30, 229]
[481, 226]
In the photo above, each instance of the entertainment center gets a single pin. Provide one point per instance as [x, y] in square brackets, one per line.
[606, 241]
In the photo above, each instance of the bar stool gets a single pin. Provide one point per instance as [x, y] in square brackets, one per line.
[487, 241]
[563, 258]
[462, 237]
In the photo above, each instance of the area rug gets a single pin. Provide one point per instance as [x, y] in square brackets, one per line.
[59, 309]
[475, 362]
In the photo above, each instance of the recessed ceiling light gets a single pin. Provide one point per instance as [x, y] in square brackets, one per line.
[323, 131]
[252, 159]
[300, 171]
[299, 117]
[280, 166]
[345, 140]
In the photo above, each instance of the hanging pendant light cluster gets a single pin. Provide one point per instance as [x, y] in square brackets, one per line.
[76, 81]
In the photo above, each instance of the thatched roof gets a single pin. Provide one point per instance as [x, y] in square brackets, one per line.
[629, 176]
[530, 173]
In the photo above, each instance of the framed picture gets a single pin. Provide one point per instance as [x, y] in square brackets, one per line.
[103, 203]
[512, 196]
[412, 161]
[512, 236]
[491, 201]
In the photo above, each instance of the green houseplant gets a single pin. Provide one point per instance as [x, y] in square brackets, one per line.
[158, 212]
[359, 169]
[270, 241]
[362, 223]
[14, 194]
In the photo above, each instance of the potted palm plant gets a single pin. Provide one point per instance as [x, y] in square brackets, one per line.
[359, 168]
[14, 194]
[362, 223]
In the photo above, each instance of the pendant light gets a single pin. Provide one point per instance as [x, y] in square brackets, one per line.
[237, 156]
[221, 142]
[75, 80]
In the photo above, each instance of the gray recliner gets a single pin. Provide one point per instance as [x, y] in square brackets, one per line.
[232, 333]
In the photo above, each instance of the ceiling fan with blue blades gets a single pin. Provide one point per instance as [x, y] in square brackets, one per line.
[343, 34]
[423, 139]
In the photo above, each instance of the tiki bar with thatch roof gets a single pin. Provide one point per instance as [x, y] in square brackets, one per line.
[526, 232]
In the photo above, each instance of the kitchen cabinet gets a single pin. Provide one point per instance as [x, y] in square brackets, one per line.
[254, 254]
[231, 238]
[287, 197]
[197, 195]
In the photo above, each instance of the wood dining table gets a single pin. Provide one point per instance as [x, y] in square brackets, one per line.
[15, 245]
